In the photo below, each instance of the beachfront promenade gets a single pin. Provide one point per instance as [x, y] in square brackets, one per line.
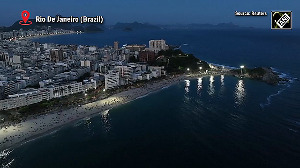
[34, 127]
[24, 131]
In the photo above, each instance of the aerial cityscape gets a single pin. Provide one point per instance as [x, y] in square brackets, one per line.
[80, 88]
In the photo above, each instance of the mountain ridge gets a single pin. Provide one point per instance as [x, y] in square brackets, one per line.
[124, 26]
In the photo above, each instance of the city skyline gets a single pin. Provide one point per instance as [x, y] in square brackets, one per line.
[157, 84]
[153, 12]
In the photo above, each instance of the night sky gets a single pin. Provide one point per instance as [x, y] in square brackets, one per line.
[152, 11]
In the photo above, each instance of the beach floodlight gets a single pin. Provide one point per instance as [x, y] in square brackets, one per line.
[188, 69]
[242, 67]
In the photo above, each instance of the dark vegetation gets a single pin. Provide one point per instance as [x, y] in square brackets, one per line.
[132, 59]
[83, 77]
[259, 73]
[255, 73]
[176, 61]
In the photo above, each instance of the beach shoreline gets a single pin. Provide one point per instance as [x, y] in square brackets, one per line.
[30, 38]
[17, 134]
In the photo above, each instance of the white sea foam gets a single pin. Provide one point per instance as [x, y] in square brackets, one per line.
[269, 98]
[5, 153]
[8, 164]
[77, 124]
[142, 96]
[41, 136]
[105, 112]
[286, 85]
[165, 87]
[3, 158]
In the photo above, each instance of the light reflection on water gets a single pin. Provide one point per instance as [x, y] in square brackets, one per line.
[211, 88]
[4, 162]
[240, 92]
[105, 119]
[196, 114]
[222, 80]
[88, 125]
[187, 85]
[222, 84]
[199, 85]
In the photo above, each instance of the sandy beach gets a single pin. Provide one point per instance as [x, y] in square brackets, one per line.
[22, 132]
[43, 36]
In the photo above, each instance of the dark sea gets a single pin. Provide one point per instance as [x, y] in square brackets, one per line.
[215, 121]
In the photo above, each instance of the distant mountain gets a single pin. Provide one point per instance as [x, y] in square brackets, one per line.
[134, 26]
[96, 27]
[227, 25]
[86, 27]
[205, 26]
[38, 26]
[92, 28]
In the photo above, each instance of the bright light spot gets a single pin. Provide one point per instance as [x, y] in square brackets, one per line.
[199, 84]
[222, 80]
[211, 89]
[240, 92]
[188, 69]
[187, 82]
[242, 66]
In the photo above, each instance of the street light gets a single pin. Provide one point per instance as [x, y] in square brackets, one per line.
[242, 67]
[188, 69]
[200, 68]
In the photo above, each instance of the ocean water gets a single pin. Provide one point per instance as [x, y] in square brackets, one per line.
[215, 121]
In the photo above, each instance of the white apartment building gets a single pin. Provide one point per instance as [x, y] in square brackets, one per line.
[112, 79]
[32, 96]
[157, 45]
[125, 74]
[25, 98]
[65, 89]
[85, 63]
